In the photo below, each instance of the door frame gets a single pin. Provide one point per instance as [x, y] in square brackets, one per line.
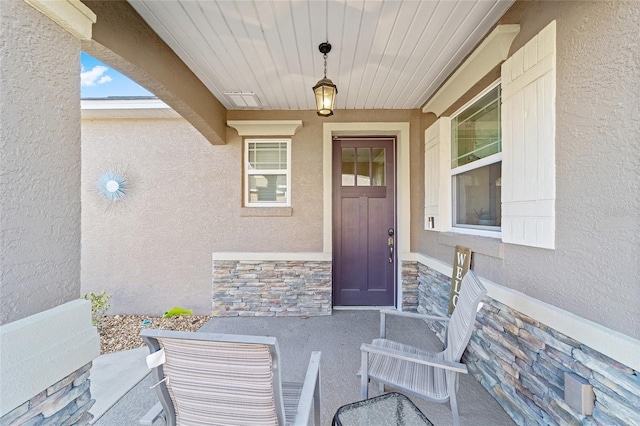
[403, 196]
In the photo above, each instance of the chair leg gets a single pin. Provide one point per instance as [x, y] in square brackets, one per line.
[316, 403]
[152, 415]
[454, 410]
[453, 401]
[364, 376]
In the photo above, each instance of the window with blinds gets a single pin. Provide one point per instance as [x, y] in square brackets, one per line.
[267, 172]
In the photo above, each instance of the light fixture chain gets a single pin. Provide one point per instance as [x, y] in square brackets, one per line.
[325, 65]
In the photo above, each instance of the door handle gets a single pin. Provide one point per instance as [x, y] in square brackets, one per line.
[390, 243]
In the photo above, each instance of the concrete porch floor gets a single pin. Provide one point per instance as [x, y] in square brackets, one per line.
[338, 337]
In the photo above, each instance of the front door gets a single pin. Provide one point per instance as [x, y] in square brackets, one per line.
[364, 254]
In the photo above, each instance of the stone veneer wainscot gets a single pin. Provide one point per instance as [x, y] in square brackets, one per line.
[271, 288]
[522, 362]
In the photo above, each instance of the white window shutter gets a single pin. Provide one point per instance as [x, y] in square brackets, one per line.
[528, 142]
[437, 180]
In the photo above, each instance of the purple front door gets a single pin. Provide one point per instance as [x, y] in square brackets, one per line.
[364, 254]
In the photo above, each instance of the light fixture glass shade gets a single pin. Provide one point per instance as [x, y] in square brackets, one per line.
[325, 92]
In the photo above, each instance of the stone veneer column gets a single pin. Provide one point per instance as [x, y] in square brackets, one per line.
[522, 362]
[47, 342]
[67, 402]
[44, 366]
[409, 286]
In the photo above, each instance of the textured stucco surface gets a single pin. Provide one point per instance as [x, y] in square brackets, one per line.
[593, 272]
[153, 251]
[39, 162]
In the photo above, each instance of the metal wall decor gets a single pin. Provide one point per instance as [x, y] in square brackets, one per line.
[112, 186]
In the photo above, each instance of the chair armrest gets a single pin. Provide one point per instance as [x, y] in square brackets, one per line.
[152, 415]
[310, 393]
[434, 362]
[385, 312]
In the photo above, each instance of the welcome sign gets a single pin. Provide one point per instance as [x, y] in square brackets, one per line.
[461, 263]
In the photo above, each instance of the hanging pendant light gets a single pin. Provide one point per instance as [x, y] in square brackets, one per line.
[324, 90]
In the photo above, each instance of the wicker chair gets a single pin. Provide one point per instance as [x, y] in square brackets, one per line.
[223, 379]
[428, 375]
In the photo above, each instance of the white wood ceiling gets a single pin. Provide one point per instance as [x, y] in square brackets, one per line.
[385, 54]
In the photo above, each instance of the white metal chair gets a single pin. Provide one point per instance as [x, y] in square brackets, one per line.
[224, 379]
[429, 375]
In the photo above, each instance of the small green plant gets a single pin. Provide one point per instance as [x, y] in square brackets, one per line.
[99, 305]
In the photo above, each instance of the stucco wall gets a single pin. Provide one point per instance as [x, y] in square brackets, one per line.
[593, 272]
[153, 250]
[40, 162]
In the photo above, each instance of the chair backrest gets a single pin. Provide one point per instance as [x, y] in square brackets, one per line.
[464, 317]
[217, 378]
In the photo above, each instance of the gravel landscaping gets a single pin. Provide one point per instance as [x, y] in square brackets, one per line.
[121, 332]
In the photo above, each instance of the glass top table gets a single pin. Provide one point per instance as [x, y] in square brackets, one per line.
[389, 409]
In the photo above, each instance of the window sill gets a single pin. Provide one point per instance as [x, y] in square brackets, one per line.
[487, 245]
[266, 212]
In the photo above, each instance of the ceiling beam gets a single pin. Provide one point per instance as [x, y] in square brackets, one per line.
[124, 41]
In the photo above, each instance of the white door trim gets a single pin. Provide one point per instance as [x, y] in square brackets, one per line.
[403, 194]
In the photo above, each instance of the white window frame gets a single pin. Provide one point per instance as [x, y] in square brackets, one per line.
[248, 172]
[483, 162]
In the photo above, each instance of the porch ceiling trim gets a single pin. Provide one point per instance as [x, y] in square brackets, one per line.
[489, 54]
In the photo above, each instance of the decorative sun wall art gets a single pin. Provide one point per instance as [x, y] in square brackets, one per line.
[112, 186]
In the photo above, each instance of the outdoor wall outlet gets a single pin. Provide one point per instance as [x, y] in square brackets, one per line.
[578, 393]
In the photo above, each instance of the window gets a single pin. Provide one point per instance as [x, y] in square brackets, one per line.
[507, 132]
[363, 166]
[476, 163]
[268, 172]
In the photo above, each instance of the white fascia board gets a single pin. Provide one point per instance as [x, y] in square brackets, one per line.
[489, 54]
[123, 104]
[125, 108]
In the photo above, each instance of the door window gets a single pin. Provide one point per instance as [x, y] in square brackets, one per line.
[363, 166]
